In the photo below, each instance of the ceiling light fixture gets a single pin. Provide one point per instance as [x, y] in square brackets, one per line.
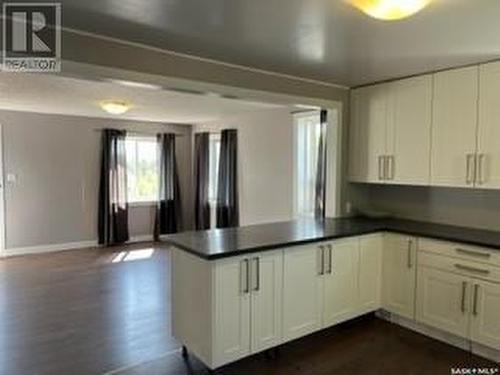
[135, 84]
[115, 107]
[390, 9]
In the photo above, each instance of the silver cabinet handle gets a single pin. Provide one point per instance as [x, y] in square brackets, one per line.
[381, 162]
[474, 305]
[472, 269]
[330, 266]
[464, 292]
[256, 287]
[246, 278]
[322, 260]
[479, 169]
[469, 173]
[391, 167]
[409, 262]
[472, 253]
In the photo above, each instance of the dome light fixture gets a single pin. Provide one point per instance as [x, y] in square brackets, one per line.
[390, 10]
[115, 107]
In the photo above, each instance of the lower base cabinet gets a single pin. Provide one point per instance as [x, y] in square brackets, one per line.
[485, 321]
[443, 300]
[227, 309]
[329, 283]
[399, 274]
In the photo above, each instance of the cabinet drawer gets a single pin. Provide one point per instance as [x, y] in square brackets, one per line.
[460, 266]
[461, 251]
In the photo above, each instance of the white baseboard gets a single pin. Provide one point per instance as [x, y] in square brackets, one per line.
[40, 249]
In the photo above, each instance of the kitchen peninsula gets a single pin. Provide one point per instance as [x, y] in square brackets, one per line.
[240, 291]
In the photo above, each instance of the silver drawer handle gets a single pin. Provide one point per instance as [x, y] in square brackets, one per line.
[476, 294]
[321, 271]
[472, 253]
[246, 266]
[470, 169]
[472, 269]
[464, 292]
[409, 255]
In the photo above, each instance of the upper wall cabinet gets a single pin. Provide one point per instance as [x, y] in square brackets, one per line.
[390, 132]
[368, 133]
[454, 127]
[488, 150]
[409, 131]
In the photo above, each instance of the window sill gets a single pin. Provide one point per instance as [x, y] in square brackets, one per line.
[142, 204]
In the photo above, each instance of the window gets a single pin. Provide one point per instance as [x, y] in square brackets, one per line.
[307, 131]
[142, 169]
[214, 156]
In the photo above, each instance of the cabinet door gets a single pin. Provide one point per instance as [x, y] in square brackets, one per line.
[488, 174]
[409, 131]
[454, 127]
[399, 274]
[370, 273]
[368, 133]
[443, 300]
[267, 300]
[340, 281]
[302, 291]
[485, 325]
[232, 310]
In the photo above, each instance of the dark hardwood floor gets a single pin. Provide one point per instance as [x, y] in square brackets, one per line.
[107, 311]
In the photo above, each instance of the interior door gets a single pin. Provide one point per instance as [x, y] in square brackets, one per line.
[443, 300]
[302, 291]
[399, 274]
[454, 128]
[340, 281]
[370, 272]
[485, 324]
[488, 174]
[232, 309]
[409, 131]
[267, 301]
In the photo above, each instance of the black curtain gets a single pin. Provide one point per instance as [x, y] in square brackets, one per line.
[168, 209]
[201, 203]
[113, 205]
[227, 189]
[320, 187]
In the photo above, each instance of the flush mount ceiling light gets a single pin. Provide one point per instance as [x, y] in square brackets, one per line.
[390, 9]
[115, 107]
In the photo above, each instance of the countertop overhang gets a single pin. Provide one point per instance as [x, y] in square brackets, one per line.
[222, 243]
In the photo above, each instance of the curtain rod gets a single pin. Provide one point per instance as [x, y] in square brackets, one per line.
[304, 111]
[139, 132]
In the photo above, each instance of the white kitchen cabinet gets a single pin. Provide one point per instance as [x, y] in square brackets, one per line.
[399, 274]
[409, 131]
[370, 272]
[368, 133]
[266, 300]
[232, 309]
[488, 152]
[248, 305]
[302, 291]
[340, 290]
[454, 127]
[485, 320]
[390, 132]
[443, 300]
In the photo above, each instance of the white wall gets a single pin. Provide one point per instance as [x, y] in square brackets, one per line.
[56, 161]
[265, 163]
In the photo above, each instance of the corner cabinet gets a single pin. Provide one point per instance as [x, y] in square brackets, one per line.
[390, 132]
[399, 275]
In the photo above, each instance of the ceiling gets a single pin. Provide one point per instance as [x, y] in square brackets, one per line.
[70, 96]
[326, 40]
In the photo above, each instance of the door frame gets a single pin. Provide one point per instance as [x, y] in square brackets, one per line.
[2, 196]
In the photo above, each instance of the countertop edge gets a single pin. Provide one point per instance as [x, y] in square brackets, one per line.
[382, 228]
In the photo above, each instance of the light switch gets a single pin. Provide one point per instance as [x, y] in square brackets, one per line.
[11, 178]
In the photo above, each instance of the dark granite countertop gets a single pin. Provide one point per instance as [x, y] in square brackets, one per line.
[221, 243]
